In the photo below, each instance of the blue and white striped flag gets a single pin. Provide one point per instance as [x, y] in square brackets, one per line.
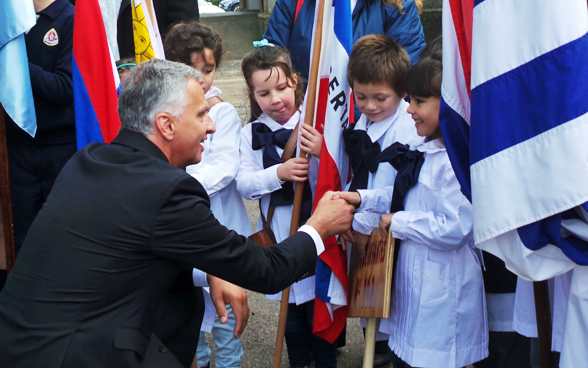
[16, 94]
[523, 140]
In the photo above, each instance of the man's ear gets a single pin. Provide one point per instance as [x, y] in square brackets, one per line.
[165, 125]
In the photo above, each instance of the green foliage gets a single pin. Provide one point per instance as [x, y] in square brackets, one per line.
[215, 2]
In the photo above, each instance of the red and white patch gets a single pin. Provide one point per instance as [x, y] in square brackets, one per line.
[51, 38]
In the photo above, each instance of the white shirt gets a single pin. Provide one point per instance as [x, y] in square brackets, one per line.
[437, 315]
[254, 182]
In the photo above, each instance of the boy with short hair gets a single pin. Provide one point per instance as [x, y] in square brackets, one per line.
[377, 72]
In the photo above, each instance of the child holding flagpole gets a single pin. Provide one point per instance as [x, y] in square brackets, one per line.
[276, 93]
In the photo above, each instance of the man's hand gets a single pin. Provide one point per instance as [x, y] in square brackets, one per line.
[332, 216]
[223, 293]
[361, 241]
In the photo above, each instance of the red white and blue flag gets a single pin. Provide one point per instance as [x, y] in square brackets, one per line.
[95, 79]
[334, 111]
[519, 149]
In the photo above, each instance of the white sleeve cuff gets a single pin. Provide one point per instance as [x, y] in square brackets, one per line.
[199, 278]
[318, 241]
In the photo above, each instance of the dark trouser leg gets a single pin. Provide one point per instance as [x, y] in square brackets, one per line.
[301, 342]
[179, 319]
[33, 170]
[507, 350]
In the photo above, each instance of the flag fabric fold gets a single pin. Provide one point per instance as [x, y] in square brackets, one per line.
[334, 111]
[95, 79]
[16, 94]
[519, 148]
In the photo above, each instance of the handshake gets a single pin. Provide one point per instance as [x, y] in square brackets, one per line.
[334, 213]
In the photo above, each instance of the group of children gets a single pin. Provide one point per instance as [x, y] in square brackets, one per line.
[437, 314]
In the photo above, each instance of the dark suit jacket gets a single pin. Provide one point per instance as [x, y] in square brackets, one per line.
[118, 226]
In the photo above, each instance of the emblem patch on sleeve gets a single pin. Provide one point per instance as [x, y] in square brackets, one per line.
[51, 38]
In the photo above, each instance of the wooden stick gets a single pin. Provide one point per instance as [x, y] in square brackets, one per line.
[543, 314]
[308, 119]
[370, 343]
[5, 199]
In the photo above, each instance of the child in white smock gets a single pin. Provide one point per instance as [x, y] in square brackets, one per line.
[201, 48]
[437, 313]
[276, 93]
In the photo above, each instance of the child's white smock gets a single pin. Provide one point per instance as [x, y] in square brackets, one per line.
[399, 127]
[437, 315]
[216, 172]
[254, 182]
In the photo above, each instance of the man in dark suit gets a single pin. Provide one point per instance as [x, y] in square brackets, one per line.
[104, 275]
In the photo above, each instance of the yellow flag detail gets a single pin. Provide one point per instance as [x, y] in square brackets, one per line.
[143, 45]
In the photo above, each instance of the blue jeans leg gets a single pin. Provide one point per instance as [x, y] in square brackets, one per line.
[203, 351]
[228, 349]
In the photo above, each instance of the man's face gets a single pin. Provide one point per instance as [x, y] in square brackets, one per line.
[191, 128]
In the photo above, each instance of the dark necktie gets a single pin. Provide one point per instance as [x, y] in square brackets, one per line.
[363, 153]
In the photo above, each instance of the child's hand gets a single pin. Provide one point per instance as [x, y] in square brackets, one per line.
[311, 141]
[295, 169]
[361, 241]
[385, 224]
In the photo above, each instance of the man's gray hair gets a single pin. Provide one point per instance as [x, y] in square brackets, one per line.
[151, 88]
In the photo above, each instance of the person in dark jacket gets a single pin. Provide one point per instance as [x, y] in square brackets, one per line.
[104, 278]
[35, 162]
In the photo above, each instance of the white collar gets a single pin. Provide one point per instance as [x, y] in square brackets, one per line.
[212, 92]
[274, 125]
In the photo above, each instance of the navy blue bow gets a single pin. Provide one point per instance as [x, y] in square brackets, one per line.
[363, 153]
[408, 165]
[264, 138]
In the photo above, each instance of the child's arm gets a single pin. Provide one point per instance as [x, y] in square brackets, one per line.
[444, 223]
[253, 181]
[222, 163]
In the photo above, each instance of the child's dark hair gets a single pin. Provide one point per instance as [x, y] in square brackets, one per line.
[378, 58]
[124, 65]
[424, 79]
[269, 58]
[185, 38]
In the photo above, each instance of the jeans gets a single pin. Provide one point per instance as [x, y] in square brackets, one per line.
[302, 344]
[228, 349]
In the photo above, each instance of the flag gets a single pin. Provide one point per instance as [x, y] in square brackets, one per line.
[514, 116]
[334, 110]
[95, 79]
[16, 94]
[148, 43]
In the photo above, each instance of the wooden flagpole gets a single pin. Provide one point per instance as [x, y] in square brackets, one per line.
[543, 314]
[5, 199]
[308, 119]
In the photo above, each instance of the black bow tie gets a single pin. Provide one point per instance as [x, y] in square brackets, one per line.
[363, 153]
[408, 165]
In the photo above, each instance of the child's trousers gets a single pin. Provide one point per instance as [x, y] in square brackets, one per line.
[228, 349]
[303, 346]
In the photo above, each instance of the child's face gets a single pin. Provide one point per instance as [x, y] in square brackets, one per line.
[425, 112]
[273, 94]
[376, 101]
[205, 64]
